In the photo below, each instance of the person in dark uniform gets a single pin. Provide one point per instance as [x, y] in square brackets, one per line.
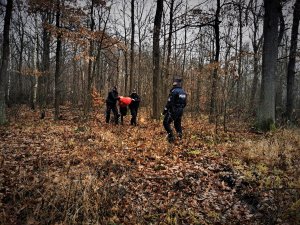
[134, 106]
[111, 105]
[173, 110]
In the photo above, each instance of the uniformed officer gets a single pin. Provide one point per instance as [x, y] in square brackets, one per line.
[173, 110]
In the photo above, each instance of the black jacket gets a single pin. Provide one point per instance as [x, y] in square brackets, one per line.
[112, 97]
[136, 101]
[177, 100]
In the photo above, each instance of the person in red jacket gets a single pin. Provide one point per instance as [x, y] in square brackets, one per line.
[123, 103]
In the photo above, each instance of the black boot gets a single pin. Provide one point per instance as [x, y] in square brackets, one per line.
[179, 135]
[171, 138]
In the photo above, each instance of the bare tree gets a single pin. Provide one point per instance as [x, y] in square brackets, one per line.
[5, 58]
[266, 111]
[144, 19]
[57, 82]
[44, 88]
[212, 110]
[156, 58]
[169, 47]
[132, 47]
[240, 53]
[256, 44]
[292, 62]
[88, 96]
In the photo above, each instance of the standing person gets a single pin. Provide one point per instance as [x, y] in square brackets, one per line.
[173, 110]
[123, 103]
[111, 104]
[134, 106]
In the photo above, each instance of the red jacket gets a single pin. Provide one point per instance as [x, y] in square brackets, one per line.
[124, 101]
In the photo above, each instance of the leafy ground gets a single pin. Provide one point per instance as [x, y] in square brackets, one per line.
[75, 172]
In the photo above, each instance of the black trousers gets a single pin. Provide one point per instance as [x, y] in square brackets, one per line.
[133, 112]
[123, 112]
[173, 117]
[113, 108]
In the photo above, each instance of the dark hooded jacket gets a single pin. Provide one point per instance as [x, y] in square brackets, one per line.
[112, 97]
[177, 100]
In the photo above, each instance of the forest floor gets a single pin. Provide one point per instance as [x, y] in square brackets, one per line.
[87, 172]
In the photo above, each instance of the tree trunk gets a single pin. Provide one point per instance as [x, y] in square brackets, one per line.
[88, 96]
[240, 55]
[292, 62]
[20, 65]
[35, 69]
[255, 76]
[212, 110]
[169, 48]
[132, 47]
[57, 66]
[43, 91]
[184, 44]
[125, 51]
[266, 110]
[75, 81]
[5, 58]
[156, 58]
[279, 71]
[256, 43]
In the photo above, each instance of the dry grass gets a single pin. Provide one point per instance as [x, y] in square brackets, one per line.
[272, 166]
[70, 172]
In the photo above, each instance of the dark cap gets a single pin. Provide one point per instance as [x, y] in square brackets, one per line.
[177, 81]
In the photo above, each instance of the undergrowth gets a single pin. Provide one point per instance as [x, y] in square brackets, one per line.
[75, 172]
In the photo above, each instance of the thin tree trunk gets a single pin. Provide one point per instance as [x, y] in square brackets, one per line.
[255, 78]
[132, 47]
[292, 62]
[139, 85]
[75, 86]
[126, 76]
[35, 68]
[156, 58]
[279, 73]
[169, 46]
[20, 65]
[57, 66]
[256, 43]
[212, 111]
[226, 83]
[240, 75]
[43, 91]
[184, 44]
[5, 58]
[88, 97]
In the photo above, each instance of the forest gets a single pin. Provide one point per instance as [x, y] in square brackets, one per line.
[62, 162]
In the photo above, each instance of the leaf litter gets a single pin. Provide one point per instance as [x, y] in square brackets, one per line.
[75, 172]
